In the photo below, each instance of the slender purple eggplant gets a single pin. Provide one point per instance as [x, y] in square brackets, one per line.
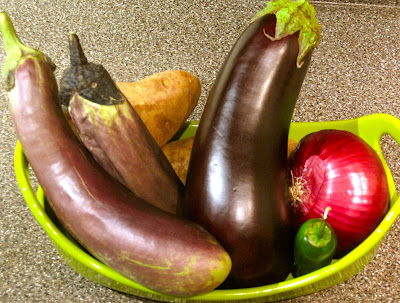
[114, 133]
[237, 185]
[144, 243]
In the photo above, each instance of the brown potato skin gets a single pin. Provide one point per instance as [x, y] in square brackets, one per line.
[178, 153]
[291, 146]
[164, 101]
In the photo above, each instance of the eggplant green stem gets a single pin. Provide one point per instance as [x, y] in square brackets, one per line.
[15, 49]
[292, 17]
[77, 56]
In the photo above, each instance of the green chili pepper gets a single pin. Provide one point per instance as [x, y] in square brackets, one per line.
[314, 246]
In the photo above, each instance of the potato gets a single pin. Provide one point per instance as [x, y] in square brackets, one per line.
[178, 153]
[291, 146]
[164, 101]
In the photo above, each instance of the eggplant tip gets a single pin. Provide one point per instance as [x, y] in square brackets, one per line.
[5, 20]
[77, 56]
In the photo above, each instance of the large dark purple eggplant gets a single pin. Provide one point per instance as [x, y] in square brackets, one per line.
[237, 185]
[111, 129]
[142, 242]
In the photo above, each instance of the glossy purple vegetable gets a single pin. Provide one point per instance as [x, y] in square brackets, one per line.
[237, 186]
[142, 242]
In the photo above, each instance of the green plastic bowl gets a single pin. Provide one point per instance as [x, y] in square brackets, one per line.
[371, 128]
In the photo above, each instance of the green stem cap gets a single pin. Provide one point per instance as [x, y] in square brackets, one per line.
[15, 49]
[291, 17]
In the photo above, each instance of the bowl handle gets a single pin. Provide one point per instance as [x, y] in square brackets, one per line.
[376, 125]
[372, 128]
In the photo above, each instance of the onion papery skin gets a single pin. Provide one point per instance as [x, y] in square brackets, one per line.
[337, 169]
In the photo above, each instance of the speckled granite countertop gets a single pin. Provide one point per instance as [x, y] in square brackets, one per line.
[355, 72]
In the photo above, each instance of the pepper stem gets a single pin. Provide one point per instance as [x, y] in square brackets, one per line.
[322, 226]
[326, 212]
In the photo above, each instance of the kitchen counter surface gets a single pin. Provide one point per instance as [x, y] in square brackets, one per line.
[355, 72]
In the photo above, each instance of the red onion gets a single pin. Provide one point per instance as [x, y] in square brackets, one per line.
[337, 169]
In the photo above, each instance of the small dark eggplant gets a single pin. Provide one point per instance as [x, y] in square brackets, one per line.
[114, 133]
[142, 242]
[238, 185]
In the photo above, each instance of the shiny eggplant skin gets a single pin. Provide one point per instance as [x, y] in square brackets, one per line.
[150, 246]
[114, 133]
[237, 184]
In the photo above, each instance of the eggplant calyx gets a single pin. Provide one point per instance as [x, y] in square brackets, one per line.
[15, 51]
[109, 115]
[292, 17]
[89, 80]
